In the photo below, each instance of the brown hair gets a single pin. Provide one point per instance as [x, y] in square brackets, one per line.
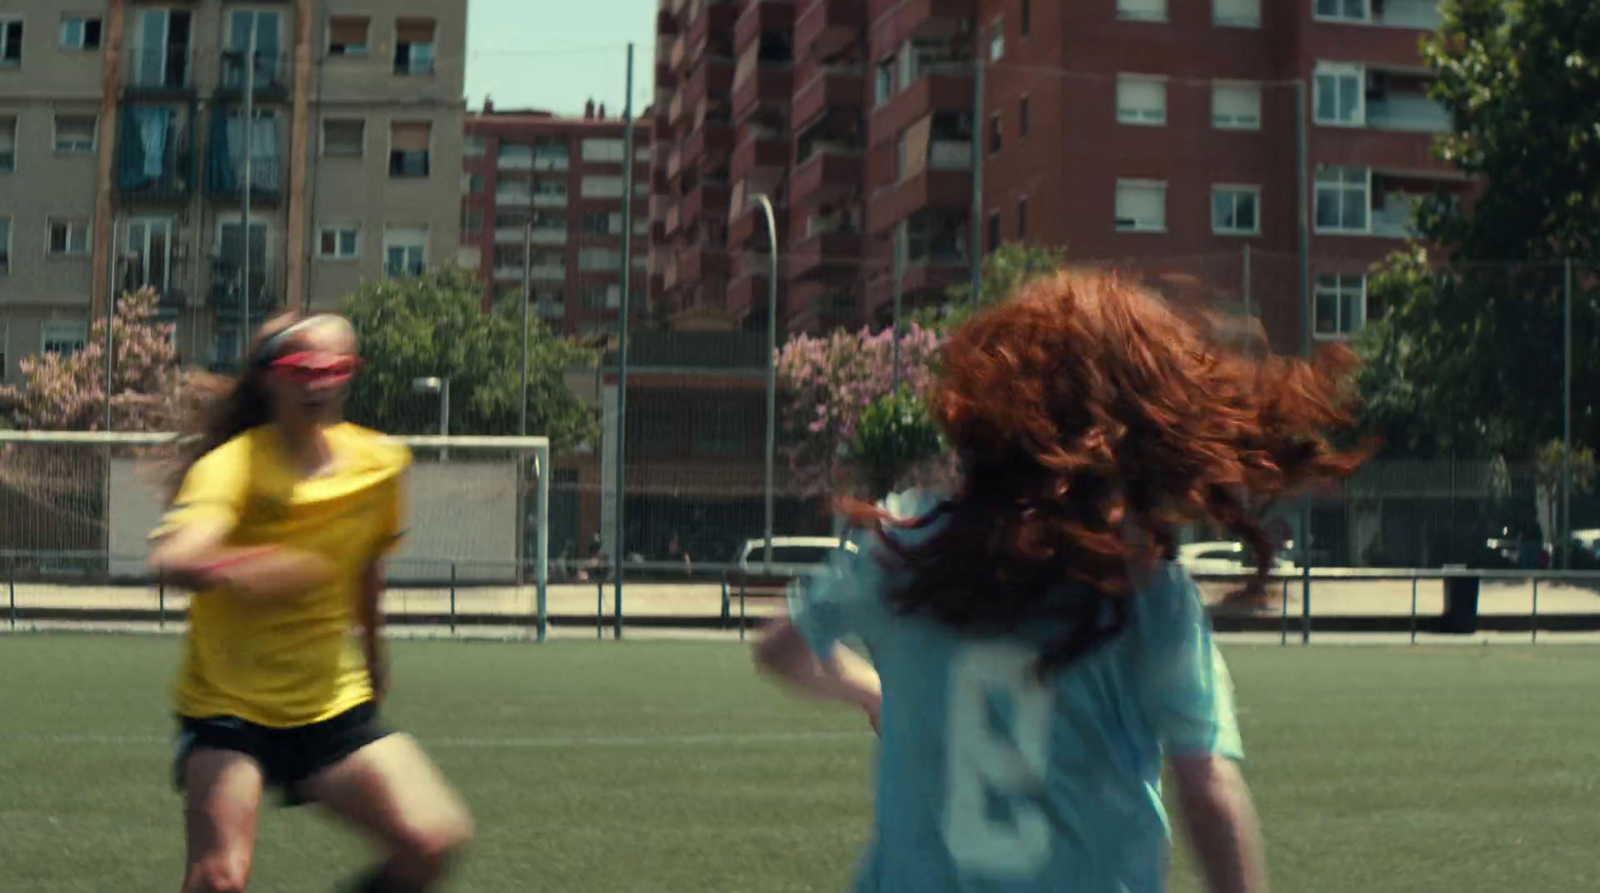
[1091, 421]
[227, 407]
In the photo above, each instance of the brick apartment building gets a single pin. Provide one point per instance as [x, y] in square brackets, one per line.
[565, 176]
[1157, 134]
[122, 141]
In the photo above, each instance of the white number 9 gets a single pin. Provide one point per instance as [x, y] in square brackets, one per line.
[1008, 762]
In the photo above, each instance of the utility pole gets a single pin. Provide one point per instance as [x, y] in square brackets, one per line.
[622, 330]
[1303, 167]
[248, 132]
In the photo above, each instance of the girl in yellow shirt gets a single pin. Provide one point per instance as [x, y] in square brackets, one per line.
[281, 519]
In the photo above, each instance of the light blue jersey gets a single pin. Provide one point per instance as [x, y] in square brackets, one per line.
[991, 782]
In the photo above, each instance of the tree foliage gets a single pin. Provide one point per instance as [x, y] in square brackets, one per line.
[67, 392]
[1005, 271]
[433, 325]
[896, 433]
[1468, 359]
[829, 382]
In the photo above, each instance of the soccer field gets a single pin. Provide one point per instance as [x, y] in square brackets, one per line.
[627, 768]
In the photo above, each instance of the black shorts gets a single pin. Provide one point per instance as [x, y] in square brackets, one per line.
[287, 756]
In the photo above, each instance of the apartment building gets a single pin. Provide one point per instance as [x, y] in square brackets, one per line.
[565, 177]
[1158, 135]
[123, 147]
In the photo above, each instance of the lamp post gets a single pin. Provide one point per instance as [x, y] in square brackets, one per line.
[440, 386]
[772, 359]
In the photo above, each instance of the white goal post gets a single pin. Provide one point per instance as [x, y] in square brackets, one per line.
[91, 498]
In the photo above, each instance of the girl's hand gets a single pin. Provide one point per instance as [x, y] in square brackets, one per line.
[874, 711]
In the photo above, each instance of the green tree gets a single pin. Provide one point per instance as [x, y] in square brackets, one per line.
[896, 434]
[1005, 270]
[434, 325]
[1468, 357]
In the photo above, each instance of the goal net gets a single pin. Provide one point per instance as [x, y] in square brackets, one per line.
[78, 507]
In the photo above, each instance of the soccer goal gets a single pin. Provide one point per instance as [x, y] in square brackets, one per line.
[78, 506]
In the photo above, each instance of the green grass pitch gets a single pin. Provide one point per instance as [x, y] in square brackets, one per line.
[658, 768]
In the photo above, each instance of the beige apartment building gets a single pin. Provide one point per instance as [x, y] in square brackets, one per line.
[123, 145]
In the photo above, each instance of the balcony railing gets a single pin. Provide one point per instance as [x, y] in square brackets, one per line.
[1408, 112]
[156, 156]
[226, 294]
[272, 74]
[159, 70]
[542, 235]
[950, 155]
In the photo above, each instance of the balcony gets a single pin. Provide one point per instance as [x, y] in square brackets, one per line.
[826, 28]
[226, 293]
[897, 21]
[156, 157]
[747, 222]
[750, 291]
[762, 87]
[708, 146]
[541, 272]
[666, 75]
[710, 80]
[824, 255]
[761, 156]
[225, 169]
[1407, 112]
[828, 87]
[932, 189]
[710, 31]
[700, 262]
[159, 72]
[533, 161]
[831, 173]
[758, 16]
[668, 23]
[708, 199]
[273, 74]
[542, 235]
[934, 91]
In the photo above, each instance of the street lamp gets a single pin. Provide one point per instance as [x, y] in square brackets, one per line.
[772, 358]
[432, 385]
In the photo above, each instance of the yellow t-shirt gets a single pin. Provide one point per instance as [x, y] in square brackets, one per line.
[291, 661]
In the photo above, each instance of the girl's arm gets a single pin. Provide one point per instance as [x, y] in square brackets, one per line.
[369, 612]
[197, 556]
[844, 676]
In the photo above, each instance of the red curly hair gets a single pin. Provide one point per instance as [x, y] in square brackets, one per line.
[1091, 421]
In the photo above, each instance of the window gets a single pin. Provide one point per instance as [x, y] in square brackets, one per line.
[475, 184]
[347, 36]
[1343, 197]
[474, 147]
[408, 149]
[5, 344]
[64, 336]
[68, 237]
[8, 143]
[1341, 95]
[602, 297]
[883, 81]
[1141, 206]
[1341, 304]
[1343, 10]
[1237, 13]
[596, 260]
[1141, 100]
[604, 151]
[1024, 117]
[1236, 210]
[1142, 10]
[994, 135]
[472, 220]
[161, 49]
[997, 40]
[995, 236]
[10, 42]
[1236, 106]
[339, 241]
[75, 134]
[344, 138]
[405, 250]
[79, 33]
[264, 29]
[1025, 26]
[1022, 219]
[601, 187]
[5, 245]
[413, 47]
[602, 224]
[147, 248]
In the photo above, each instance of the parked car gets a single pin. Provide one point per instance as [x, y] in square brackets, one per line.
[1226, 559]
[791, 555]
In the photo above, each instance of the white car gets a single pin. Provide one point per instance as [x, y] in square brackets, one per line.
[791, 555]
[1226, 559]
